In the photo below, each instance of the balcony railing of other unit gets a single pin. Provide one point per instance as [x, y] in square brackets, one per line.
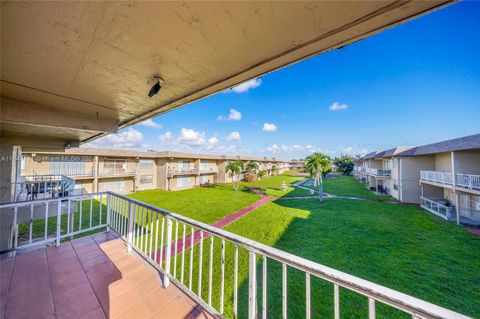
[160, 237]
[43, 186]
[378, 172]
[468, 181]
[182, 171]
[70, 172]
[437, 177]
[207, 170]
[437, 208]
[116, 171]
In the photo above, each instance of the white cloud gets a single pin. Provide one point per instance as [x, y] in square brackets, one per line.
[245, 86]
[338, 107]
[130, 138]
[191, 137]
[166, 137]
[150, 123]
[269, 127]
[234, 115]
[347, 149]
[233, 136]
[295, 149]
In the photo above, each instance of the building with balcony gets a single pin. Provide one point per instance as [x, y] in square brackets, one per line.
[448, 178]
[297, 166]
[76, 71]
[443, 177]
[122, 171]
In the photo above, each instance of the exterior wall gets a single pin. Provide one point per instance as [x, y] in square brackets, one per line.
[395, 178]
[410, 167]
[467, 162]
[443, 162]
[146, 172]
[162, 174]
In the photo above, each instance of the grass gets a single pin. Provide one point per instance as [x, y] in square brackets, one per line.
[397, 246]
[38, 226]
[272, 185]
[400, 247]
[205, 204]
[348, 186]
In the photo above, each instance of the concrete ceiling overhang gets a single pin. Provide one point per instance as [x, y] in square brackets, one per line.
[75, 71]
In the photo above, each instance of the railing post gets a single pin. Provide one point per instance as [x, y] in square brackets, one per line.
[168, 253]
[108, 211]
[59, 222]
[252, 286]
[131, 219]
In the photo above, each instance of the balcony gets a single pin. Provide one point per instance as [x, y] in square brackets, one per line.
[377, 172]
[154, 242]
[172, 171]
[207, 171]
[437, 207]
[107, 172]
[437, 177]
[66, 172]
[43, 187]
[468, 181]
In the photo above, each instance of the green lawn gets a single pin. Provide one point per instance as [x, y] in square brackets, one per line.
[401, 247]
[205, 204]
[272, 185]
[87, 219]
[348, 186]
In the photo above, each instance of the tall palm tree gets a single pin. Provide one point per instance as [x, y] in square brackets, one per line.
[315, 165]
[234, 168]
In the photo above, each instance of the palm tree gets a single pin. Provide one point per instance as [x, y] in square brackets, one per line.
[252, 166]
[315, 165]
[274, 169]
[234, 168]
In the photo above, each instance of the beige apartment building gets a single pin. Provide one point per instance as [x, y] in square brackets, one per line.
[122, 171]
[443, 177]
[297, 166]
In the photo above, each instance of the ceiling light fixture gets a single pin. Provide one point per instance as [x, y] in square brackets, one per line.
[156, 87]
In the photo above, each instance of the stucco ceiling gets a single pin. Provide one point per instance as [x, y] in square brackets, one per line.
[94, 60]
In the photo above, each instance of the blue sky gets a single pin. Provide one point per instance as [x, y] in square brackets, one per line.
[414, 84]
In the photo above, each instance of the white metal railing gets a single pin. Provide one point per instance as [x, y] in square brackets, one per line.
[70, 172]
[43, 186]
[468, 181]
[47, 221]
[436, 208]
[437, 177]
[164, 238]
[378, 172]
[117, 171]
[182, 170]
[210, 170]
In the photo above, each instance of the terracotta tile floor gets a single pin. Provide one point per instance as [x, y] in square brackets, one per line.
[90, 277]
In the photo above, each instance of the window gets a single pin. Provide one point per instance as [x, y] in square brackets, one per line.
[204, 179]
[146, 163]
[113, 186]
[67, 165]
[203, 165]
[146, 179]
[115, 163]
[183, 181]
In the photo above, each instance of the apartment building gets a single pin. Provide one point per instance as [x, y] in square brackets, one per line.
[443, 177]
[297, 166]
[122, 171]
